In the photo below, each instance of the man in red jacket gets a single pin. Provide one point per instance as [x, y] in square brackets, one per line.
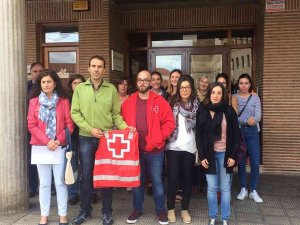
[153, 118]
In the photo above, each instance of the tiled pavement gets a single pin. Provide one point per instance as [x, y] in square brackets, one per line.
[281, 206]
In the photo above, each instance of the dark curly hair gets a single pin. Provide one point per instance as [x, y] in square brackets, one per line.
[59, 88]
[72, 78]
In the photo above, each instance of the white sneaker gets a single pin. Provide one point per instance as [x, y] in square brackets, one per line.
[212, 222]
[253, 195]
[243, 194]
[129, 189]
[225, 222]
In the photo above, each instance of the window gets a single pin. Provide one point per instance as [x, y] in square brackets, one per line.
[197, 38]
[232, 64]
[62, 57]
[240, 55]
[61, 35]
[242, 37]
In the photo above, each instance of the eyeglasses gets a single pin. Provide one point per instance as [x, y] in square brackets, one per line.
[35, 71]
[187, 88]
[145, 81]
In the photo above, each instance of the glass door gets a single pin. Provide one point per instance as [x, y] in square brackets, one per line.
[192, 61]
[165, 60]
[208, 61]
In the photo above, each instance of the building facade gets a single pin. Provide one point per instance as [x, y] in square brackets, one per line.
[200, 38]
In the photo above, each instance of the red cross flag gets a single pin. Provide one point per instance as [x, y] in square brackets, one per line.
[117, 160]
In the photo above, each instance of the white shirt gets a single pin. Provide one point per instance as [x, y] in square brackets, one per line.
[185, 141]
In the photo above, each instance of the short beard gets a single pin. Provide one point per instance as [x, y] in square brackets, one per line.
[144, 91]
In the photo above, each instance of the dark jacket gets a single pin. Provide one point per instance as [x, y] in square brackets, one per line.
[206, 150]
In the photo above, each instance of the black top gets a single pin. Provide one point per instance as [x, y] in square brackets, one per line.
[206, 149]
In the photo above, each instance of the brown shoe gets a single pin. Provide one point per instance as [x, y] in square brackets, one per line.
[171, 216]
[186, 216]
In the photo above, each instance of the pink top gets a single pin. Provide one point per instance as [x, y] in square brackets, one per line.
[220, 146]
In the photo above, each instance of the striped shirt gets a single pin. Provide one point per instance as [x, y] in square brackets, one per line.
[253, 109]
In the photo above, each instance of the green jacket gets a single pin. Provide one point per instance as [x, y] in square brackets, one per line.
[96, 110]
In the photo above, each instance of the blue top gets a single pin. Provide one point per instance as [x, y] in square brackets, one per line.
[253, 109]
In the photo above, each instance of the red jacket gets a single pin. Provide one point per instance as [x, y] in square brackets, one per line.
[160, 119]
[37, 128]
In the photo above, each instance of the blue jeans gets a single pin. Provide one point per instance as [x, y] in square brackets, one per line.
[87, 150]
[221, 181]
[253, 150]
[152, 163]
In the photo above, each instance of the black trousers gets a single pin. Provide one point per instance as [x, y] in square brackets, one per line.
[179, 163]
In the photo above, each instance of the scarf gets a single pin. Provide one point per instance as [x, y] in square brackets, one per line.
[216, 123]
[189, 112]
[47, 113]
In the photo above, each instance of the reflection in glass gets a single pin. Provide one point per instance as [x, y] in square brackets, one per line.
[195, 38]
[62, 57]
[58, 37]
[172, 43]
[239, 55]
[208, 65]
[166, 63]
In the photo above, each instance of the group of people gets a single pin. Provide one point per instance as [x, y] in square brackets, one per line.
[182, 123]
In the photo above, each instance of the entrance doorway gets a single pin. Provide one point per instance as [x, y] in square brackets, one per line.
[191, 61]
[63, 60]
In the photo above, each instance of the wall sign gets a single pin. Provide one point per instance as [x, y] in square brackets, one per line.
[80, 5]
[275, 5]
[117, 61]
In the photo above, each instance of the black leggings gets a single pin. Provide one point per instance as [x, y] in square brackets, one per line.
[179, 163]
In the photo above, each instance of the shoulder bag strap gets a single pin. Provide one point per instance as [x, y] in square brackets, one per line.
[245, 106]
[68, 138]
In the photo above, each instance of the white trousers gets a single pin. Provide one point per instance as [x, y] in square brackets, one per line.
[45, 176]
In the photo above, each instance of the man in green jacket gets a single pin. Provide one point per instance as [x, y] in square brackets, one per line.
[95, 109]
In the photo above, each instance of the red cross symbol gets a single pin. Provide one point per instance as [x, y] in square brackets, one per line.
[118, 145]
[156, 109]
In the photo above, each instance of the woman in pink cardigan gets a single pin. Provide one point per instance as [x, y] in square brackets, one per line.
[48, 116]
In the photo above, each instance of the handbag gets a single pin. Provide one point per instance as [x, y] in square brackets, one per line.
[242, 150]
[71, 173]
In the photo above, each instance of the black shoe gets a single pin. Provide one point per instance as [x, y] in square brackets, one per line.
[43, 224]
[73, 200]
[107, 219]
[81, 218]
[163, 218]
[95, 198]
[63, 223]
[134, 216]
[32, 194]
